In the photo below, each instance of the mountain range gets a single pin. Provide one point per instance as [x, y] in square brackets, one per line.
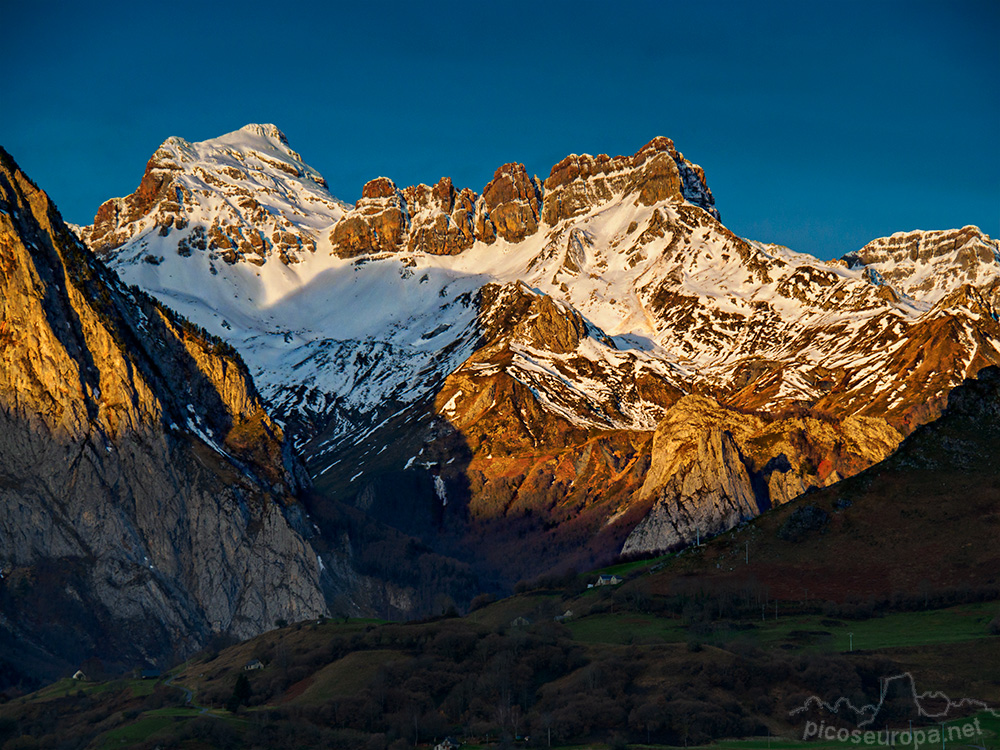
[570, 367]
[387, 407]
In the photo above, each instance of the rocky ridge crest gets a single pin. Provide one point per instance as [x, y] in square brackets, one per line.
[245, 196]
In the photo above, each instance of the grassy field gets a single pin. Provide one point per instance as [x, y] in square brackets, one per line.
[346, 676]
[627, 628]
[623, 569]
[952, 625]
[68, 685]
[138, 731]
[806, 632]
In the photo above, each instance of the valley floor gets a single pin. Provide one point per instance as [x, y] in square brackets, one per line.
[604, 667]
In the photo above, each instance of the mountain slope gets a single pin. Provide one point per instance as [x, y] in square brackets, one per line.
[147, 501]
[440, 344]
[923, 520]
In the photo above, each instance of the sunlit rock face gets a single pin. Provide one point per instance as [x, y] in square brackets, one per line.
[244, 197]
[147, 500]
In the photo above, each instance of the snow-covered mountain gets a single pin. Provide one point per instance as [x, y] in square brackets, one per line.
[434, 340]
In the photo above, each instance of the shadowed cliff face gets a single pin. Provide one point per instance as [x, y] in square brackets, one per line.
[146, 499]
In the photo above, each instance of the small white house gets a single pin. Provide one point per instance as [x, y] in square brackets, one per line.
[252, 665]
[608, 580]
[80, 676]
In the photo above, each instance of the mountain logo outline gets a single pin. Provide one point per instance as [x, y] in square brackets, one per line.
[868, 712]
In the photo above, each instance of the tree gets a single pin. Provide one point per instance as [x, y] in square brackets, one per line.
[241, 694]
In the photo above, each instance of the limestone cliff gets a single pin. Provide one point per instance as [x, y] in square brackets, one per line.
[712, 467]
[711, 494]
[147, 501]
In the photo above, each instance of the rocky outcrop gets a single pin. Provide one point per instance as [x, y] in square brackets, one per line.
[439, 220]
[112, 224]
[710, 494]
[143, 488]
[443, 220]
[513, 203]
[713, 467]
[925, 520]
[655, 173]
[515, 313]
[378, 224]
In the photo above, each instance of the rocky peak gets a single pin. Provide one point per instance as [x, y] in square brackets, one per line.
[930, 265]
[266, 130]
[443, 219]
[693, 184]
[245, 196]
[378, 224]
[657, 172]
[513, 202]
[380, 187]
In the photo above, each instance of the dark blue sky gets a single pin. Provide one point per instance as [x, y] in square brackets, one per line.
[819, 125]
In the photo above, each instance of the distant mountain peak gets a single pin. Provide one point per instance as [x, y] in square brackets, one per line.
[930, 265]
[244, 196]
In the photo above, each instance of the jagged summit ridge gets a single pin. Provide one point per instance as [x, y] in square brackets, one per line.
[929, 265]
[256, 161]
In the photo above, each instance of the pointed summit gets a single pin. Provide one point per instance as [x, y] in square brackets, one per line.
[242, 196]
[656, 172]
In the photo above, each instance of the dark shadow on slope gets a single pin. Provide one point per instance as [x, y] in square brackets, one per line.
[633, 341]
[55, 622]
[420, 486]
[404, 513]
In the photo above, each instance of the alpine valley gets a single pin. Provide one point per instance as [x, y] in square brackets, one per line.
[234, 400]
